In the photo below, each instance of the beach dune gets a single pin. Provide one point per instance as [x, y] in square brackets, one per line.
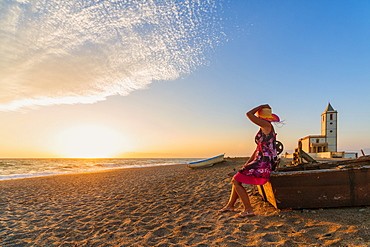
[161, 206]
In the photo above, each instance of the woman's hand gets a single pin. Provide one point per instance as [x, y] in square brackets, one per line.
[265, 106]
[264, 124]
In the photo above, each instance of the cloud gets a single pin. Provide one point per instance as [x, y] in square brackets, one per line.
[67, 52]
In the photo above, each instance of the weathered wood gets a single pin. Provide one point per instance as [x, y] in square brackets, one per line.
[348, 186]
[361, 161]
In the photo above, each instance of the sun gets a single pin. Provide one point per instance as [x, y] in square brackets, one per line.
[91, 141]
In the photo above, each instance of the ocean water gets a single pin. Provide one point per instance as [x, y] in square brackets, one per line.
[27, 168]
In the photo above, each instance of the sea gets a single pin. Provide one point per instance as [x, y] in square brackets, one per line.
[28, 168]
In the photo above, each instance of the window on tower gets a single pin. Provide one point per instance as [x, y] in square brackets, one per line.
[331, 116]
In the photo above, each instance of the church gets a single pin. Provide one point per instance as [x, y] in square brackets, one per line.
[325, 145]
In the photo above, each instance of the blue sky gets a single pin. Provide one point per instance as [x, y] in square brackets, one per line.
[296, 56]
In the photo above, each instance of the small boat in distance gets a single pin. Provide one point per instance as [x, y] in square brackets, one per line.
[206, 162]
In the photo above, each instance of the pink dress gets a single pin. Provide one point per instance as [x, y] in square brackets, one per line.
[258, 170]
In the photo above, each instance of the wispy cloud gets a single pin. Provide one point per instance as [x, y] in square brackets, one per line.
[67, 51]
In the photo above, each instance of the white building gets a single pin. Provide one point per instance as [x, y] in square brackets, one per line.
[325, 145]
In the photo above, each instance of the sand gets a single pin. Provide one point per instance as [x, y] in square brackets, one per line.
[161, 206]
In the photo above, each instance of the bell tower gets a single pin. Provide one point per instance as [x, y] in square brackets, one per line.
[329, 126]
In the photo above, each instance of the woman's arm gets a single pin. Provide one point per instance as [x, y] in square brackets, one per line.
[252, 165]
[264, 124]
[252, 157]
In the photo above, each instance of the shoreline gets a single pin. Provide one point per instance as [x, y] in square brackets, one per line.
[64, 167]
[161, 206]
[85, 172]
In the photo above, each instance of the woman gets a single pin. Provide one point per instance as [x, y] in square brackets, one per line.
[258, 168]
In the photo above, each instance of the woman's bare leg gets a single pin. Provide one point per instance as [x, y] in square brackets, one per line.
[233, 197]
[230, 204]
[242, 193]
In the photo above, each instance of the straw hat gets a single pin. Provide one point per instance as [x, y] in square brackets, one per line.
[266, 113]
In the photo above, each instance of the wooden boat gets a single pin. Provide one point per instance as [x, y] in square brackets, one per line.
[206, 162]
[320, 185]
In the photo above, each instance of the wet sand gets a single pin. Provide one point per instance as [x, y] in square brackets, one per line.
[161, 206]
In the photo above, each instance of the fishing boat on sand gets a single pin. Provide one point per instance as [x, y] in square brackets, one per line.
[343, 183]
[206, 162]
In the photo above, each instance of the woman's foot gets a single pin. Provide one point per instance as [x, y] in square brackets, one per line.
[245, 214]
[226, 209]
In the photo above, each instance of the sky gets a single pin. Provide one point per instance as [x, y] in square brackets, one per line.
[175, 78]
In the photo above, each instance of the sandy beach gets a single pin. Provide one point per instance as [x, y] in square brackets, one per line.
[161, 206]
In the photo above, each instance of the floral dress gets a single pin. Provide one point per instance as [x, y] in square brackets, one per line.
[258, 170]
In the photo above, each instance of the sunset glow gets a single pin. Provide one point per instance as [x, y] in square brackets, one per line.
[90, 141]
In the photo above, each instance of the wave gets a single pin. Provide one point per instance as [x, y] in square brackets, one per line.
[29, 168]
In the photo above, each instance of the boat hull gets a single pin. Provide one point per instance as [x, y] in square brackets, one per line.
[318, 188]
[206, 162]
